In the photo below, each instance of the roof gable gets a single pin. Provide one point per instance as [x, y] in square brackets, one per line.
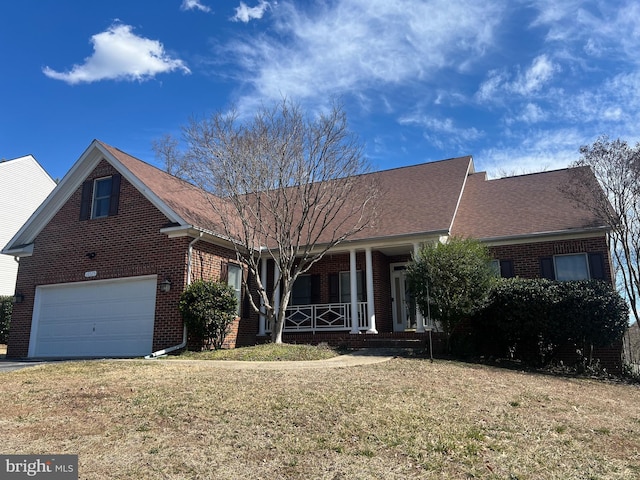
[87, 162]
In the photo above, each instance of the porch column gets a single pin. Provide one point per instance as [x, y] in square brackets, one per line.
[353, 284]
[371, 312]
[419, 317]
[263, 280]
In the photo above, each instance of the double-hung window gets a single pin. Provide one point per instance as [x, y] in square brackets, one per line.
[234, 279]
[100, 197]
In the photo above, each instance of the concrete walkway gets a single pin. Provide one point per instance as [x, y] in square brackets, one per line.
[360, 357]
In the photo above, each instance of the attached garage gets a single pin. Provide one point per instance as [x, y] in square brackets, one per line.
[102, 318]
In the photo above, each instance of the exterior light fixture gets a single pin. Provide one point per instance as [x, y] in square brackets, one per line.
[165, 285]
[18, 298]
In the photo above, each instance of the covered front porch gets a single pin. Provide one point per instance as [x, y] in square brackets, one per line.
[358, 291]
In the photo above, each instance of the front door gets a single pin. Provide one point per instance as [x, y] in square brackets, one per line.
[404, 306]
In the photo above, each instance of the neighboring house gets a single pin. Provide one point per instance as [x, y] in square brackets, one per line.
[104, 260]
[23, 186]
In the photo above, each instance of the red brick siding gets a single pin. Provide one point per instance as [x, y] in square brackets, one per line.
[125, 245]
[207, 264]
[526, 256]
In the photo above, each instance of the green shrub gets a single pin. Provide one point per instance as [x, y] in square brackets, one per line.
[208, 309]
[531, 320]
[450, 281]
[6, 307]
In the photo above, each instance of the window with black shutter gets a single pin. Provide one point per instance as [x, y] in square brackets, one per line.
[100, 197]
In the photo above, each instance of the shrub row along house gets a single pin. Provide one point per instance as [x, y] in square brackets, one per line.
[104, 259]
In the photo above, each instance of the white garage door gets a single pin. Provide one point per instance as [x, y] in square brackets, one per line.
[104, 318]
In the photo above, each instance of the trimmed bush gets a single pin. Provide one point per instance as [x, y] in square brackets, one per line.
[208, 309]
[451, 281]
[531, 320]
[6, 307]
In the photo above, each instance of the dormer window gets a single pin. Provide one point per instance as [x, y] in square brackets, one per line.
[100, 197]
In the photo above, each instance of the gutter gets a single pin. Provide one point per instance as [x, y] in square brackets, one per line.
[184, 331]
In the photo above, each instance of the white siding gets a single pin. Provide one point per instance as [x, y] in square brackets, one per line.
[23, 187]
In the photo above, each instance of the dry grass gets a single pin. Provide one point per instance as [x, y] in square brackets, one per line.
[406, 418]
[270, 352]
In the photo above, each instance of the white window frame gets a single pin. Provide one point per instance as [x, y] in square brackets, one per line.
[237, 286]
[586, 264]
[95, 198]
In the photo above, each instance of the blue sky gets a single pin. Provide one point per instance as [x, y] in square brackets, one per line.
[520, 85]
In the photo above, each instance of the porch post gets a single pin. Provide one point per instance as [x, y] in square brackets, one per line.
[263, 280]
[353, 284]
[371, 312]
[419, 317]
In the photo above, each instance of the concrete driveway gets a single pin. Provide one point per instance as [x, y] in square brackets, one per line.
[11, 365]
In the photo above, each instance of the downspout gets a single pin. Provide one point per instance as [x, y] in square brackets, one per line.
[184, 331]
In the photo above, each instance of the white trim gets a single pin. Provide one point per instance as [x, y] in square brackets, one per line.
[371, 311]
[546, 236]
[353, 286]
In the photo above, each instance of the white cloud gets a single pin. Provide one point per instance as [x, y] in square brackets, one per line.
[350, 45]
[529, 82]
[537, 75]
[119, 54]
[194, 5]
[532, 151]
[245, 13]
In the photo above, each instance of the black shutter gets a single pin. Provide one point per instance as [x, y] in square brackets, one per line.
[546, 268]
[315, 289]
[506, 269]
[85, 202]
[334, 288]
[596, 266]
[363, 282]
[224, 272]
[114, 200]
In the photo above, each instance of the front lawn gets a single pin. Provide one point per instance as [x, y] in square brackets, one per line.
[406, 418]
[269, 352]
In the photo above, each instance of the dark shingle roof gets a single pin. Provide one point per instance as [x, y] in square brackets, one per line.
[427, 198]
[522, 205]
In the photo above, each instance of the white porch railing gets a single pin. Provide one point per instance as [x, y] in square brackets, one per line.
[326, 317]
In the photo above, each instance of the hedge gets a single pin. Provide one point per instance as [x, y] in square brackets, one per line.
[6, 306]
[531, 320]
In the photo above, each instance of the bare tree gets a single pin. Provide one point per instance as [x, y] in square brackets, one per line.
[616, 166]
[285, 186]
[167, 149]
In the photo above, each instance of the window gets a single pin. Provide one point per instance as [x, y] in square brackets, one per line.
[571, 267]
[301, 291]
[100, 197]
[503, 268]
[345, 286]
[580, 266]
[234, 279]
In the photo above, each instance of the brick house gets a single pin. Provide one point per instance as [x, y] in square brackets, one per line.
[103, 262]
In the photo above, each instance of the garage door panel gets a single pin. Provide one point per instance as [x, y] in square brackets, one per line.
[93, 319]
